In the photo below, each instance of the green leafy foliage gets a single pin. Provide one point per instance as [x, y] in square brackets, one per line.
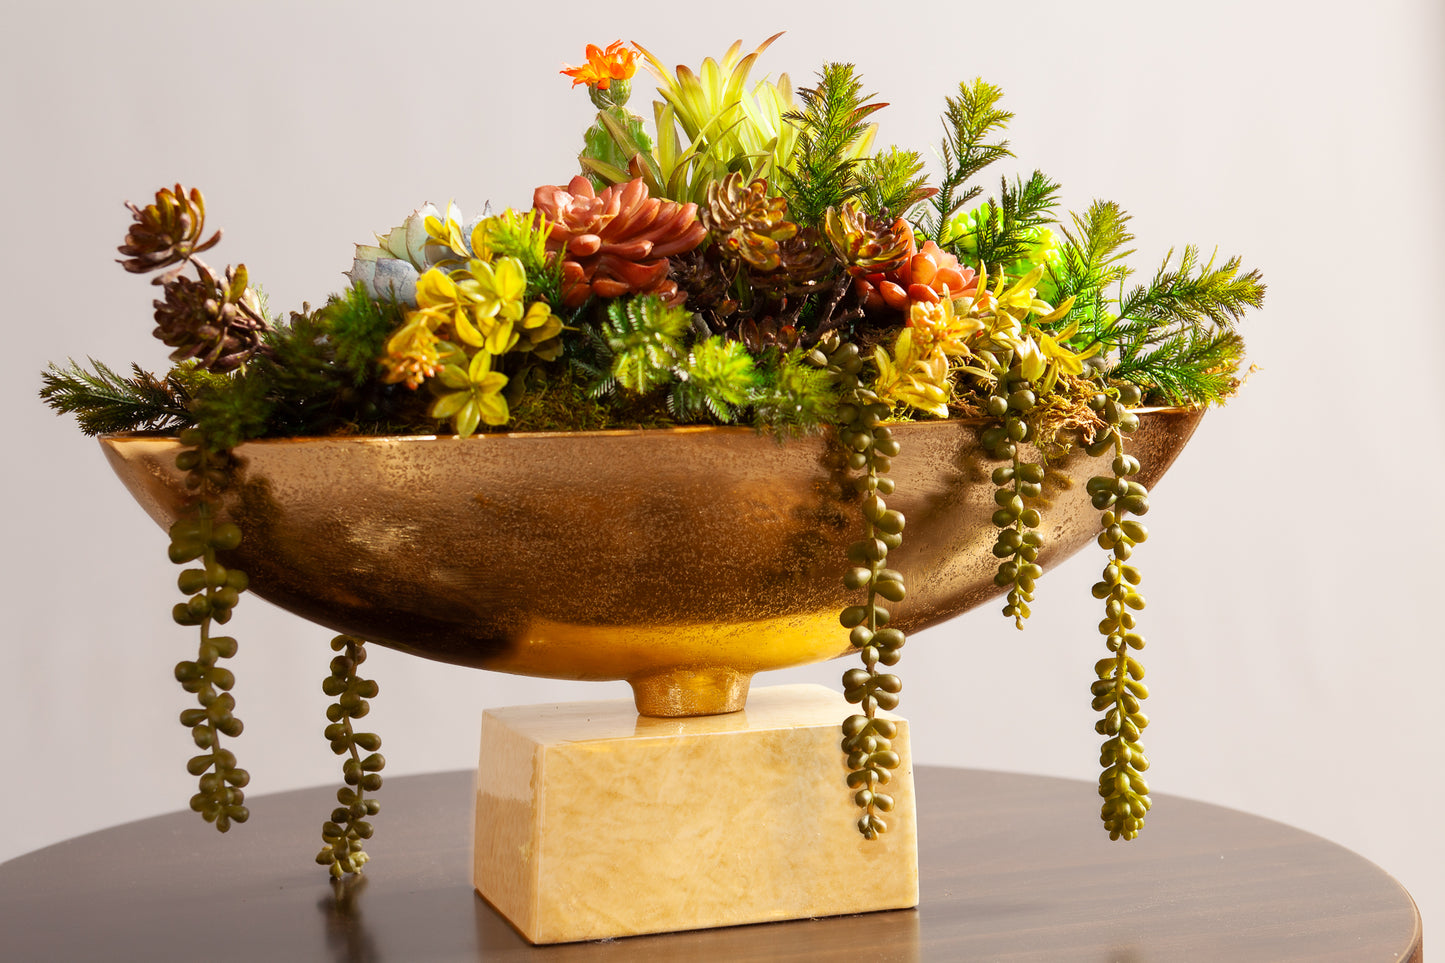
[715, 379]
[104, 400]
[358, 326]
[1191, 368]
[832, 126]
[235, 409]
[1007, 228]
[1174, 335]
[793, 396]
[892, 182]
[645, 338]
[970, 120]
[1092, 263]
[524, 237]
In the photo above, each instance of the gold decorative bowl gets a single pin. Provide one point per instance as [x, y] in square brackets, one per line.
[682, 560]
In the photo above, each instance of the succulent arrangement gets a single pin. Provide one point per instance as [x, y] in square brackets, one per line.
[748, 257]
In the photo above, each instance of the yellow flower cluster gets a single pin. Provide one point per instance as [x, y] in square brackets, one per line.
[941, 338]
[471, 309]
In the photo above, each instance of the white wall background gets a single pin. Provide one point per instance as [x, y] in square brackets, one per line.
[1294, 570]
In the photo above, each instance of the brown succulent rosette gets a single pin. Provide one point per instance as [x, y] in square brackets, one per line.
[746, 222]
[616, 242]
[166, 232]
[217, 322]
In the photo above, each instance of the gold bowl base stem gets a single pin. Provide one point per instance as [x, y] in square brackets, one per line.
[691, 692]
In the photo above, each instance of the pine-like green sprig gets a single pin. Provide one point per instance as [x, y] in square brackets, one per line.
[969, 121]
[1193, 294]
[1192, 368]
[832, 125]
[717, 377]
[1091, 263]
[358, 325]
[1009, 225]
[892, 182]
[105, 401]
[645, 337]
[234, 409]
[794, 397]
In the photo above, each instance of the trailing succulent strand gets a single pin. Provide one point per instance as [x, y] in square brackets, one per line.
[345, 833]
[213, 589]
[867, 739]
[1120, 687]
[1019, 542]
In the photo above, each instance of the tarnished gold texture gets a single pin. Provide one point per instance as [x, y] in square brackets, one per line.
[682, 560]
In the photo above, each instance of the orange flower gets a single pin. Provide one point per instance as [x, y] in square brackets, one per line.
[604, 66]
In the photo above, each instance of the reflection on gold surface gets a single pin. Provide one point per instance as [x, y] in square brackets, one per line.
[682, 560]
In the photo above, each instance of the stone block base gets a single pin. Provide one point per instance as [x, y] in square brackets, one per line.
[594, 822]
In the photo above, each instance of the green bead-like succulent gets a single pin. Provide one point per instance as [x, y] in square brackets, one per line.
[870, 446]
[213, 591]
[345, 832]
[1119, 689]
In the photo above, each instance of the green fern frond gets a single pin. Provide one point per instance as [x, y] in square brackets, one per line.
[357, 326]
[1194, 294]
[1009, 226]
[716, 378]
[793, 396]
[1091, 263]
[1191, 368]
[969, 121]
[893, 181]
[105, 401]
[645, 336]
[833, 133]
[234, 409]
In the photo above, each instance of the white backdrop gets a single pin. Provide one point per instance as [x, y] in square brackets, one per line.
[1296, 655]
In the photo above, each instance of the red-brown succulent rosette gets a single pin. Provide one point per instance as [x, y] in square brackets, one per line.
[616, 242]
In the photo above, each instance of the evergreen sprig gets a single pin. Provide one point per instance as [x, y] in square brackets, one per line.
[1191, 368]
[645, 339]
[105, 401]
[1193, 294]
[832, 126]
[793, 396]
[1008, 226]
[969, 121]
[892, 182]
[1091, 263]
[358, 326]
[716, 378]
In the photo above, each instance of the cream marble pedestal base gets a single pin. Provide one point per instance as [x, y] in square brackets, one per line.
[594, 822]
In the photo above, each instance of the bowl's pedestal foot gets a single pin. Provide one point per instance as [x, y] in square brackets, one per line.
[691, 692]
[593, 822]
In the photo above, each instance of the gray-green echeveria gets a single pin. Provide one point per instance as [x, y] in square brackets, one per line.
[390, 268]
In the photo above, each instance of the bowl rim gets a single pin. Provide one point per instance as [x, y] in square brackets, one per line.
[921, 424]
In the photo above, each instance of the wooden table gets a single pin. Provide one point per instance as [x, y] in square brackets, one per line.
[1013, 868]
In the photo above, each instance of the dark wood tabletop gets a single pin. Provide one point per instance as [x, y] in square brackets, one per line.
[1013, 868]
